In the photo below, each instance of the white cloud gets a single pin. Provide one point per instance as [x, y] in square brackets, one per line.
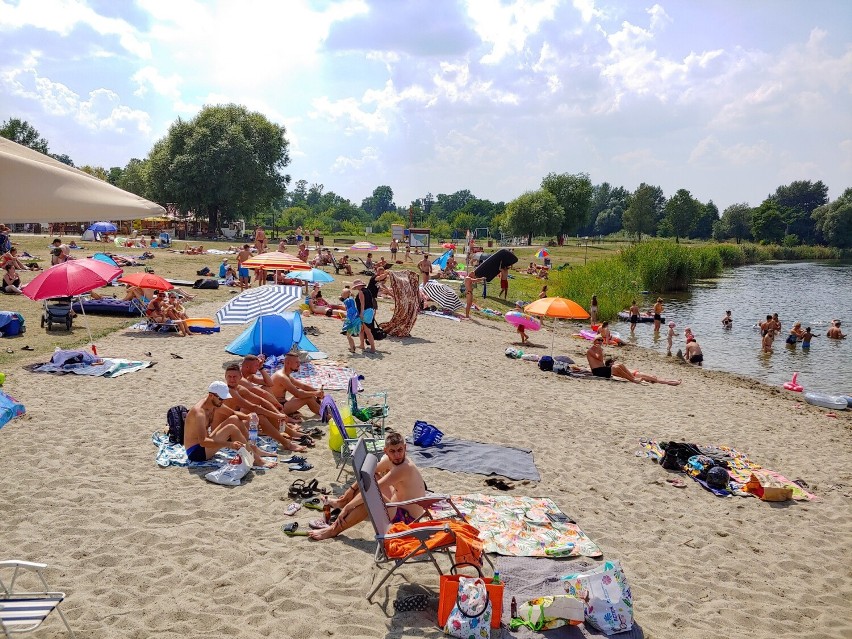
[369, 157]
[710, 151]
[506, 27]
[63, 16]
[659, 18]
[150, 77]
[587, 10]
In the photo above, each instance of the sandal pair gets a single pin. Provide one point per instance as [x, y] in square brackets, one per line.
[292, 530]
[300, 490]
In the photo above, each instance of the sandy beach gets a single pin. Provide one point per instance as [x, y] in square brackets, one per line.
[144, 551]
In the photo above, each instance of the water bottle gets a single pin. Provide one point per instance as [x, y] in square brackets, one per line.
[496, 579]
[253, 421]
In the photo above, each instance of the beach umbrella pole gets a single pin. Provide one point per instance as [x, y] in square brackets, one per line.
[88, 329]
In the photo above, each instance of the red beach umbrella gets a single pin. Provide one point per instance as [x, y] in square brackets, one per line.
[146, 280]
[71, 278]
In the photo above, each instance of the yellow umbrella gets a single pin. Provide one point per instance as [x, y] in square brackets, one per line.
[557, 308]
[276, 261]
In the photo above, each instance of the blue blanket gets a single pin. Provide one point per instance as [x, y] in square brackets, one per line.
[463, 456]
[169, 454]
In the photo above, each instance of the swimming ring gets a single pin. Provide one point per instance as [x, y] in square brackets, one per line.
[793, 385]
[516, 318]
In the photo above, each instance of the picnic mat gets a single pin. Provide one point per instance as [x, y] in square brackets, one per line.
[740, 468]
[169, 454]
[109, 367]
[526, 578]
[463, 456]
[519, 526]
[326, 376]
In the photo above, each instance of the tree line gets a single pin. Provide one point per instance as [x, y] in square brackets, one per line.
[226, 164]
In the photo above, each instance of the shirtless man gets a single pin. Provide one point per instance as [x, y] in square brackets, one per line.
[599, 368]
[693, 353]
[727, 321]
[202, 441]
[257, 381]
[658, 314]
[634, 317]
[397, 478]
[60, 253]
[243, 401]
[504, 283]
[469, 281]
[302, 394]
[244, 275]
[834, 332]
[260, 239]
[425, 268]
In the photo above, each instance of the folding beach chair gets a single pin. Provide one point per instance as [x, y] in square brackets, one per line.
[375, 411]
[425, 547]
[329, 410]
[24, 611]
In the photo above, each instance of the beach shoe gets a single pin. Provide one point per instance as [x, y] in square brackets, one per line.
[499, 484]
[301, 466]
[677, 482]
[317, 524]
[293, 459]
[292, 530]
[27, 348]
[292, 509]
[296, 488]
[411, 602]
[314, 503]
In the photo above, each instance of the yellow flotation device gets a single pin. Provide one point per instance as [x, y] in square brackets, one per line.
[335, 441]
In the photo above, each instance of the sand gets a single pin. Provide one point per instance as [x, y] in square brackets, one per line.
[143, 551]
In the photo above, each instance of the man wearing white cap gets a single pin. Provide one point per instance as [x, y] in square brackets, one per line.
[202, 442]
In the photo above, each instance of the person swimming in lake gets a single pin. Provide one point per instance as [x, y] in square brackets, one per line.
[834, 332]
[796, 334]
[806, 338]
[727, 321]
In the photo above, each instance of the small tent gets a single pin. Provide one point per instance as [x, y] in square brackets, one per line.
[272, 335]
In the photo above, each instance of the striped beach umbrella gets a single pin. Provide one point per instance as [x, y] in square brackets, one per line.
[276, 261]
[442, 294]
[363, 246]
[256, 302]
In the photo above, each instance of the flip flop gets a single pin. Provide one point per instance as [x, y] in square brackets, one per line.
[301, 466]
[316, 503]
[317, 524]
[292, 530]
[292, 509]
[296, 489]
[412, 602]
[310, 489]
[499, 484]
[27, 348]
[677, 482]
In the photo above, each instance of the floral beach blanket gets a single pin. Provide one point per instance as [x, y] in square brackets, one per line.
[326, 376]
[740, 468]
[524, 526]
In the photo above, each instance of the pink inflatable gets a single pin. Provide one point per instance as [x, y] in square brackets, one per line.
[792, 385]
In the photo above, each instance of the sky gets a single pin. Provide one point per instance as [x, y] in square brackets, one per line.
[728, 99]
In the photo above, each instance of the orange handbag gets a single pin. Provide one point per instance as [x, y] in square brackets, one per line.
[449, 589]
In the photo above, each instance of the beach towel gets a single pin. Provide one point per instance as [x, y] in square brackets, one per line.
[520, 527]
[327, 376]
[169, 454]
[10, 408]
[468, 545]
[442, 315]
[464, 456]
[406, 303]
[527, 578]
[740, 468]
[108, 367]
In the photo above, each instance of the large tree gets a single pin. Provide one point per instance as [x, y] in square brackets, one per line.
[573, 193]
[379, 202]
[642, 210]
[735, 222]
[534, 213]
[223, 164]
[708, 216]
[767, 222]
[834, 220]
[796, 202]
[681, 213]
[23, 132]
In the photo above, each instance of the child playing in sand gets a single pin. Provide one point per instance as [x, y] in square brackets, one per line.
[670, 338]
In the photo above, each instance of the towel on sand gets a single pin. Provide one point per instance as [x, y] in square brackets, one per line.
[464, 456]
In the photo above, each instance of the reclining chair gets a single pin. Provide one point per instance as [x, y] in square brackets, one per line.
[24, 611]
[363, 434]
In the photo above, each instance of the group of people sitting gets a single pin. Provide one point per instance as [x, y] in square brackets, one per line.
[11, 264]
[163, 310]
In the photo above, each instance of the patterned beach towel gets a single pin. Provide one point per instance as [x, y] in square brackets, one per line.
[327, 376]
[109, 367]
[520, 527]
[740, 469]
[169, 454]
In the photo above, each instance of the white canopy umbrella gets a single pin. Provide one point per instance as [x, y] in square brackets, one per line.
[36, 188]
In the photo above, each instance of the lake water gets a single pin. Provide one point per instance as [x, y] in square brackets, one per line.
[809, 292]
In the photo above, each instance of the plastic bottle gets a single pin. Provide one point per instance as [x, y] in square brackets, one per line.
[253, 421]
[496, 579]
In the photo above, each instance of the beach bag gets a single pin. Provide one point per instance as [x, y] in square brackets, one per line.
[768, 489]
[175, 418]
[546, 363]
[203, 271]
[561, 368]
[231, 473]
[547, 613]
[677, 454]
[513, 353]
[608, 602]
[206, 283]
[378, 332]
[448, 594]
[426, 434]
[471, 615]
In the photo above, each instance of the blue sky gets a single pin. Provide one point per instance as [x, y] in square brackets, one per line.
[726, 98]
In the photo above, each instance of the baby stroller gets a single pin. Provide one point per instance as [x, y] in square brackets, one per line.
[57, 310]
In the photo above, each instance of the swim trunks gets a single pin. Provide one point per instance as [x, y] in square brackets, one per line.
[657, 317]
[243, 272]
[602, 371]
[504, 285]
[806, 344]
[196, 453]
[634, 319]
[369, 314]
[696, 359]
[402, 516]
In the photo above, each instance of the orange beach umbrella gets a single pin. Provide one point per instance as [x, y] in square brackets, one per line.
[557, 308]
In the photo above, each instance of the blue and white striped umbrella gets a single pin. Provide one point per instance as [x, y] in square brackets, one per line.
[256, 302]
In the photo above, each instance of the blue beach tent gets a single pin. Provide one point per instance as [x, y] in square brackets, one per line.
[275, 333]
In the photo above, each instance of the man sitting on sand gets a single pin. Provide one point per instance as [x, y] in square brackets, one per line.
[834, 332]
[302, 394]
[203, 440]
[398, 479]
[242, 402]
[693, 353]
[257, 381]
[608, 368]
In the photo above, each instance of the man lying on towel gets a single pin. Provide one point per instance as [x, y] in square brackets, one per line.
[398, 479]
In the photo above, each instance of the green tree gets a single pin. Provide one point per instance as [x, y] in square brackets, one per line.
[834, 221]
[380, 201]
[736, 222]
[573, 193]
[24, 133]
[708, 215]
[96, 171]
[767, 223]
[463, 220]
[535, 213]
[641, 213]
[225, 160]
[681, 213]
[62, 157]
[384, 221]
[134, 177]
[797, 201]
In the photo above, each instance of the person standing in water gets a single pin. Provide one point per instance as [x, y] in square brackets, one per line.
[727, 321]
[658, 314]
[634, 317]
